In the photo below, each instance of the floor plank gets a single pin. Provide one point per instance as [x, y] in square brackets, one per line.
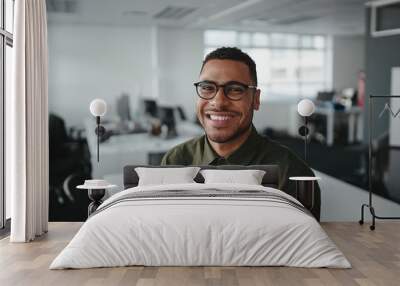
[375, 257]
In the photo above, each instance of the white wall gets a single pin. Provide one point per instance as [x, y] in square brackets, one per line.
[279, 115]
[392, 178]
[395, 105]
[180, 57]
[86, 62]
[348, 59]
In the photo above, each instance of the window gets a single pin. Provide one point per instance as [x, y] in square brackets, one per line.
[6, 43]
[288, 65]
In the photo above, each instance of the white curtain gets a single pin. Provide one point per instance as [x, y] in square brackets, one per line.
[27, 152]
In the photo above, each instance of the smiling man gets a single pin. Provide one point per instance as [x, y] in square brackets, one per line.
[227, 98]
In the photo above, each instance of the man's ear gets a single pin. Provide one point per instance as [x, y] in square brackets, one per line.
[256, 100]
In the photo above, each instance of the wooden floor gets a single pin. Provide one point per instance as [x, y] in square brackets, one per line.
[375, 257]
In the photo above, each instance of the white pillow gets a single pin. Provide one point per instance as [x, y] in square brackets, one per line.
[248, 177]
[163, 176]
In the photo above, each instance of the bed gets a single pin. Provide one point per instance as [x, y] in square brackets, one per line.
[201, 224]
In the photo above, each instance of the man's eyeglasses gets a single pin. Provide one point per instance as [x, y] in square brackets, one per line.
[233, 90]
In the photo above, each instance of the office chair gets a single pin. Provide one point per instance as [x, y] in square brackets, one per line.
[69, 166]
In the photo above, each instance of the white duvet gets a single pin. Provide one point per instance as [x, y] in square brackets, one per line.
[200, 231]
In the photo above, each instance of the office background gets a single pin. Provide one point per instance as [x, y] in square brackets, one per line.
[152, 51]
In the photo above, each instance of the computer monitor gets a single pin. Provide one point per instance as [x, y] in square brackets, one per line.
[181, 112]
[166, 116]
[325, 96]
[150, 107]
[123, 109]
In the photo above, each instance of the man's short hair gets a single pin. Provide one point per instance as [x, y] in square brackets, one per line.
[234, 54]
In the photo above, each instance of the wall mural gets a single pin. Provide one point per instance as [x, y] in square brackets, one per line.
[151, 102]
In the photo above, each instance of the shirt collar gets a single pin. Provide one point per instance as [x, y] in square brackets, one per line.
[209, 155]
[241, 156]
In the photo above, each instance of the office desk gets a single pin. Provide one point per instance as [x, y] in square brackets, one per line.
[131, 149]
[354, 122]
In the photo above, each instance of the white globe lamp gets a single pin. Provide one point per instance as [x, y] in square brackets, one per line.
[98, 107]
[305, 107]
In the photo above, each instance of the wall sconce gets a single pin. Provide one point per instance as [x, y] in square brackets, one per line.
[305, 185]
[305, 108]
[98, 108]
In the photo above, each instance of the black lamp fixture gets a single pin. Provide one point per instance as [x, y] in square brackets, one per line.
[305, 108]
[98, 108]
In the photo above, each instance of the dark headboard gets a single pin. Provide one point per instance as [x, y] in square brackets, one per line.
[270, 179]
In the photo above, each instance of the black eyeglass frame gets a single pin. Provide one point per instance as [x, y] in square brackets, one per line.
[224, 88]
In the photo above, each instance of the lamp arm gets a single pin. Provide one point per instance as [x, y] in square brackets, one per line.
[305, 138]
[98, 136]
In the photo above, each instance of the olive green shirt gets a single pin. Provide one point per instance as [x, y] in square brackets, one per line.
[256, 150]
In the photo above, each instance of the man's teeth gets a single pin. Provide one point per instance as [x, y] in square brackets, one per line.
[217, 117]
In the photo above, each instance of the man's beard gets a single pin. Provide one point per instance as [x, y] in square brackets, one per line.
[234, 136]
